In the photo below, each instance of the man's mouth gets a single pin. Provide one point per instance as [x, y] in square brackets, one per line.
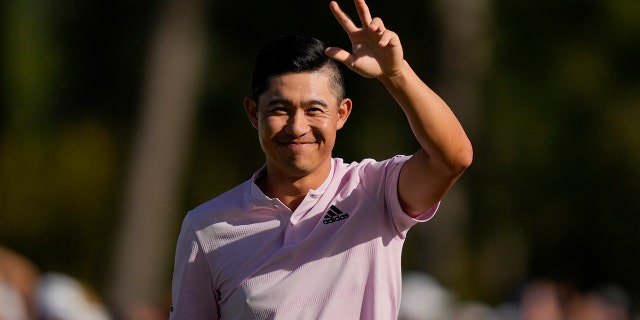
[296, 144]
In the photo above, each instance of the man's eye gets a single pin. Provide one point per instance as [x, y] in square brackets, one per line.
[314, 110]
[278, 110]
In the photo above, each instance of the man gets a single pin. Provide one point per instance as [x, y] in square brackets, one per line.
[308, 236]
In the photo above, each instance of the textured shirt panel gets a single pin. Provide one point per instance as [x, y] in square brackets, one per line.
[337, 256]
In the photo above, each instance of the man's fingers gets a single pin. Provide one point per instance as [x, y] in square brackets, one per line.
[338, 54]
[363, 12]
[386, 38]
[377, 23]
[377, 26]
[344, 20]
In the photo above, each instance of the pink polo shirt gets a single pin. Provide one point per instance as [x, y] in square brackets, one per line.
[244, 255]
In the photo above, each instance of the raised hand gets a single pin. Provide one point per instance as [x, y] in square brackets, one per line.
[376, 51]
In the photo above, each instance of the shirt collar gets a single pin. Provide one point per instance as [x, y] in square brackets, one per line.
[255, 194]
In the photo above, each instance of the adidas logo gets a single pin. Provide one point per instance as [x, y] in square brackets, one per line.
[334, 215]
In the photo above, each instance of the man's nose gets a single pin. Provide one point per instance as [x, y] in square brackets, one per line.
[297, 124]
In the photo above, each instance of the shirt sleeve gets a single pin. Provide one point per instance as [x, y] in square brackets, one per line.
[192, 292]
[402, 220]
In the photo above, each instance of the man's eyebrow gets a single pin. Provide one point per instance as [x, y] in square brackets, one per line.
[277, 101]
[317, 102]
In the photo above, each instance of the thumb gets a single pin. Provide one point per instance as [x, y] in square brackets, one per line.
[338, 54]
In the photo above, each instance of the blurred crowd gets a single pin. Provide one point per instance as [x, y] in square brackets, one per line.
[423, 298]
[26, 293]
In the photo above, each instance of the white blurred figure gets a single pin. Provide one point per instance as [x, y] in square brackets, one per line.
[423, 298]
[11, 305]
[61, 297]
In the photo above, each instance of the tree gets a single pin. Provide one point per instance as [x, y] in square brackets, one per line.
[152, 198]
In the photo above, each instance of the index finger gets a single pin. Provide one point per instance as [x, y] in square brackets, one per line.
[344, 20]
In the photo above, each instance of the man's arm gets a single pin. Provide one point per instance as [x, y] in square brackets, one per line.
[446, 151]
[192, 294]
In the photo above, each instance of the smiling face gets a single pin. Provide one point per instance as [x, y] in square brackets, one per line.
[297, 118]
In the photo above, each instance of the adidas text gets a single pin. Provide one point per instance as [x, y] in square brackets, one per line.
[334, 215]
[335, 219]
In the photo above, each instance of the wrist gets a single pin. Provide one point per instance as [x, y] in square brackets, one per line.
[397, 76]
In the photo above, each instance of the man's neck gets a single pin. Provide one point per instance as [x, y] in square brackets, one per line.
[290, 190]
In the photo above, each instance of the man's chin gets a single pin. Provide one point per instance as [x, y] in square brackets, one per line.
[302, 168]
[299, 170]
[299, 167]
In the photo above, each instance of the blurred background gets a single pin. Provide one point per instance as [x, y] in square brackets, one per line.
[117, 117]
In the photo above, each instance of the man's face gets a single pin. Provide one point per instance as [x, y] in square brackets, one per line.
[297, 119]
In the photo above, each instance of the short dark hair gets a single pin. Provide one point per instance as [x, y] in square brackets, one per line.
[293, 53]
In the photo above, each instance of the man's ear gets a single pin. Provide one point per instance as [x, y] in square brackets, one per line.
[251, 107]
[344, 110]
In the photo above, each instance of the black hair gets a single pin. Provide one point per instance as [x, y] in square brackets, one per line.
[293, 53]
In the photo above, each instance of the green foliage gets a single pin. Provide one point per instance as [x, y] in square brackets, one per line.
[559, 153]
